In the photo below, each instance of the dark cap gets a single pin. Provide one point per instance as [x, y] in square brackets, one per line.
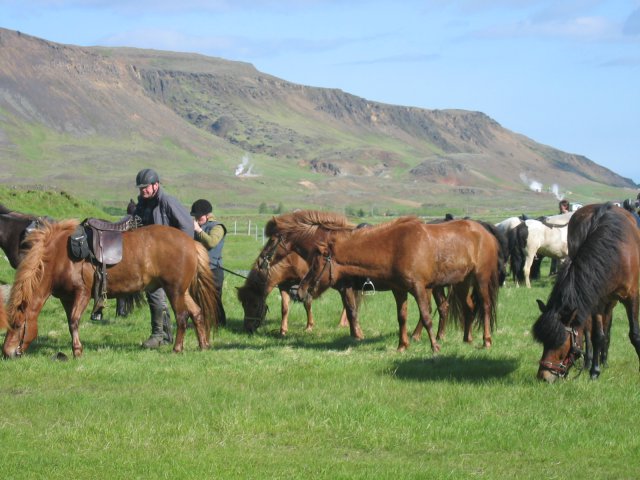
[146, 177]
[201, 207]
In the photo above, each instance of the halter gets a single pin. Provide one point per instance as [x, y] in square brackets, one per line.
[561, 370]
[18, 352]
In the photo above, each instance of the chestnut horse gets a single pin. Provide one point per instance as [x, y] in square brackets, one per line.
[603, 268]
[283, 273]
[296, 233]
[413, 257]
[153, 256]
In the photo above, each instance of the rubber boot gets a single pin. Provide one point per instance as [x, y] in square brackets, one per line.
[158, 335]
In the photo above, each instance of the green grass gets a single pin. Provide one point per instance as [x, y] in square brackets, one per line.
[314, 404]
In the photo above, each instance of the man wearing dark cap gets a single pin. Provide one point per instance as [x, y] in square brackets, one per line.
[155, 207]
[211, 233]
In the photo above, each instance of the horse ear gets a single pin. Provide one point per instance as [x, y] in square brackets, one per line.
[541, 305]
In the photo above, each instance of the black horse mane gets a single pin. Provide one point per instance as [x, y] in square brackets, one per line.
[594, 254]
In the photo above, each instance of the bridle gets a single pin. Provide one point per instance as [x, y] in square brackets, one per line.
[316, 280]
[267, 257]
[561, 370]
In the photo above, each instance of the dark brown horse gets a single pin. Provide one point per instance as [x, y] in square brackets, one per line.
[13, 230]
[412, 257]
[283, 273]
[153, 256]
[603, 268]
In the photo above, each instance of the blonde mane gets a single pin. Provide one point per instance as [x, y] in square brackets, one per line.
[30, 273]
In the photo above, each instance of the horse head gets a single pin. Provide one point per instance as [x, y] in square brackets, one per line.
[320, 275]
[562, 338]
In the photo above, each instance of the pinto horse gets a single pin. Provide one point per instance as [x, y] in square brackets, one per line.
[153, 256]
[544, 237]
[603, 268]
[413, 257]
[284, 273]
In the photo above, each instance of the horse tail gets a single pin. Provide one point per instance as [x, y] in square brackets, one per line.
[517, 243]
[503, 249]
[203, 290]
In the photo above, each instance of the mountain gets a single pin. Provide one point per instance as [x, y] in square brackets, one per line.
[86, 119]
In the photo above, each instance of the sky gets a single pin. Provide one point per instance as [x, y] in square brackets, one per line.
[565, 73]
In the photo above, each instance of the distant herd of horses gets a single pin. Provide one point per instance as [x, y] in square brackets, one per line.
[461, 263]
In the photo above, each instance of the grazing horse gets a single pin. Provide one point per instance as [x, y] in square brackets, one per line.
[603, 268]
[297, 232]
[545, 237]
[283, 273]
[152, 257]
[413, 257]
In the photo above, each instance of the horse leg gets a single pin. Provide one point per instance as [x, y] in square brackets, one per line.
[401, 307]
[184, 307]
[608, 320]
[307, 308]
[527, 269]
[74, 307]
[417, 332]
[285, 298]
[423, 299]
[443, 310]
[350, 304]
[631, 305]
[588, 348]
[597, 339]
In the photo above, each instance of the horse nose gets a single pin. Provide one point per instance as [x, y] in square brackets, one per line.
[546, 376]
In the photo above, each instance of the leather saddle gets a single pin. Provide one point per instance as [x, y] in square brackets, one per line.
[106, 238]
[105, 241]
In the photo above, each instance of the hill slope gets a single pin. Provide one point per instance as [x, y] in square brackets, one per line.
[86, 119]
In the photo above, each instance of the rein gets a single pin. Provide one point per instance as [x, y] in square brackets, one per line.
[561, 370]
[234, 273]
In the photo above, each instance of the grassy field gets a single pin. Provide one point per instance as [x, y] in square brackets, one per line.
[314, 404]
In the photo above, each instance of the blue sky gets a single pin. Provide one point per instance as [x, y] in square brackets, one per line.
[565, 73]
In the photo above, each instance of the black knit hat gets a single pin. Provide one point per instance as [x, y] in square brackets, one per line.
[201, 207]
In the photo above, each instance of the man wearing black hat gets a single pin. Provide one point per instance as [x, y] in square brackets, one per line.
[211, 233]
[155, 207]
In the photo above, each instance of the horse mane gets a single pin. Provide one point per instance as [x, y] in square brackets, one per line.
[31, 270]
[594, 257]
[382, 227]
[303, 224]
[4, 210]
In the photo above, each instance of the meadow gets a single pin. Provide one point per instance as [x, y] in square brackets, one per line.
[314, 404]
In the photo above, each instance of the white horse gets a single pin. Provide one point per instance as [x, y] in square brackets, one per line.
[546, 237]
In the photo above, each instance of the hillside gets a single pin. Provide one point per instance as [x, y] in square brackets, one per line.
[86, 119]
